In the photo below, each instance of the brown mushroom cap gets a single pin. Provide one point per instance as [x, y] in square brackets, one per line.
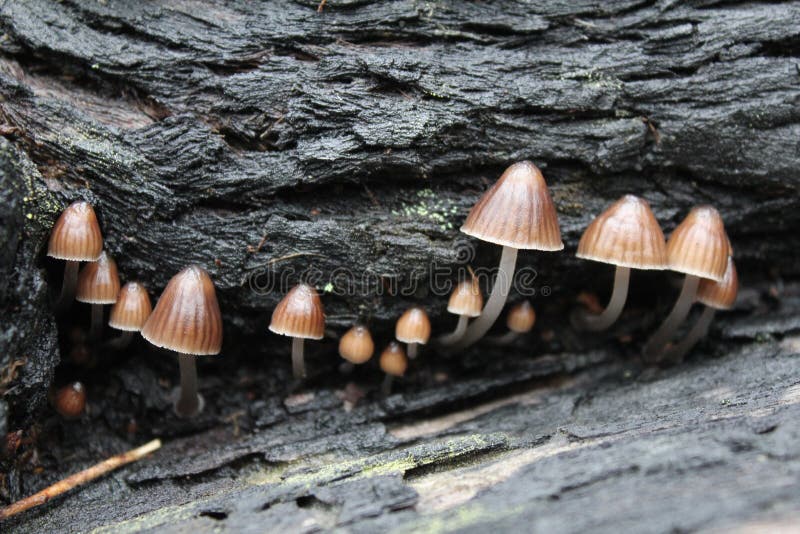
[186, 318]
[521, 317]
[699, 245]
[720, 295]
[517, 212]
[76, 234]
[413, 326]
[98, 282]
[299, 314]
[626, 234]
[132, 308]
[466, 299]
[393, 360]
[356, 345]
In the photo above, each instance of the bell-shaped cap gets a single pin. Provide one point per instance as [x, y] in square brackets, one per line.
[393, 360]
[699, 245]
[187, 317]
[517, 212]
[413, 326]
[521, 317]
[132, 308]
[356, 345]
[98, 282]
[720, 295]
[627, 234]
[466, 299]
[76, 235]
[299, 314]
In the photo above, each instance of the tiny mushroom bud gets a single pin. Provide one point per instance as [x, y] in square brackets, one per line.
[356, 345]
[413, 328]
[70, 400]
[187, 320]
[628, 236]
[465, 301]
[75, 238]
[516, 213]
[520, 320]
[394, 363]
[98, 284]
[699, 248]
[129, 313]
[301, 316]
[715, 296]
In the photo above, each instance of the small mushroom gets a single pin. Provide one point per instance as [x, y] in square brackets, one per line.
[98, 284]
[628, 236]
[413, 328]
[520, 320]
[187, 320]
[356, 345]
[465, 301]
[394, 363]
[70, 400]
[715, 296]
[516, 213]
[301, 316]
[699, 248]
[75, 238]
[129, 313]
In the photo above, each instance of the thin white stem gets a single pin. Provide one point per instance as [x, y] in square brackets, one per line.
[502, 286]
[298, 362]
[68, 286]
[96, 329]
[609, 316]
[677, 352]
[454, 336]
[655, 345]
[188, 404]
[413, 349]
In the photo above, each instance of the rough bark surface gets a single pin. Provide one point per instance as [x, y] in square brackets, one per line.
[267, 139]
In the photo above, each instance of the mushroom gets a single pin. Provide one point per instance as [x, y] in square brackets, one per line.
[465, 301]
[517, 213]
[356, 345]
[393, 363]
[301, 316]
[520, 320]
[628, 236]
[129, 313]
[413, 328]
[98, 284]
[699, 248]
[70, 400]
[716, 296]
[75, 238]
[187, 320]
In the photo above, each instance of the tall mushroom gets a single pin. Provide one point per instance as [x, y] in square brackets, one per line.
[516, 213]
[299, 315]
[75, 238]
[716, 296]
[465, 301]
[129, 313]
[628, 236]
[413, 328]
[394, 363]
[187, 320]
[699, 248]
[98, 284]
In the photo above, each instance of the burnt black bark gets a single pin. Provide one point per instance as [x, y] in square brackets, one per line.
[267, 141]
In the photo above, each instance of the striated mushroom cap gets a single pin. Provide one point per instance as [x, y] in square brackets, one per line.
[76, 234]
[299, 314]
[98, 282]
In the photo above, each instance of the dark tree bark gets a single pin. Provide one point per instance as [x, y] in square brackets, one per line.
[269, 141]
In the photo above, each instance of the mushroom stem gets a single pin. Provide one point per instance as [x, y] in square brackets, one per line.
[298, 363]
[454, 336]
[607, 317]
[386, 387]
[68, 286]
[188, 404]
[655, 345]
[121, 342]
[96, 329]
[500, 291]
[676, 353]
[413, 349]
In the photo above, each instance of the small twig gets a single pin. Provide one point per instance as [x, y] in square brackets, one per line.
[87, 475]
